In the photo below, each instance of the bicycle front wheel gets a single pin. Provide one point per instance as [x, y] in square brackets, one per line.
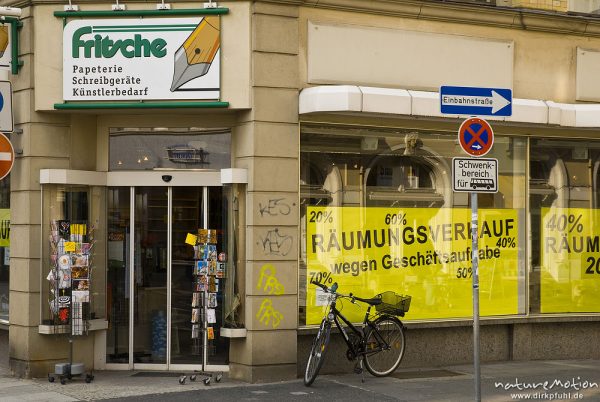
[317, 353]
[384, 346]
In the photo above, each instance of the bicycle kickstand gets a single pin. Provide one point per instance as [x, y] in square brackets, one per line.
[359, 369]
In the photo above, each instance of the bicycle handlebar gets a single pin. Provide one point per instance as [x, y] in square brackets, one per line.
[325, 288]
[333, 290]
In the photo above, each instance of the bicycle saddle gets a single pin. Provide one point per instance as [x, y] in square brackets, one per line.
[373, 302]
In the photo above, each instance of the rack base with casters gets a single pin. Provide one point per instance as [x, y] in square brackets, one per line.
[206, 380]
[66, 371]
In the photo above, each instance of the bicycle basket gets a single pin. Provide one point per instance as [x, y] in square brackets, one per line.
[393, 303]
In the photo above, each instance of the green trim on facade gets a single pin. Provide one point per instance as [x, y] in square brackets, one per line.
[142, 13]
[139, 105]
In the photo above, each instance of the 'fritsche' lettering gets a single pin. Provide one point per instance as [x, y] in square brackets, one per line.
[104, 47]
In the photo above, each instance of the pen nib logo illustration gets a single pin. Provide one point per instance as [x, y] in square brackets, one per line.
[194, 58]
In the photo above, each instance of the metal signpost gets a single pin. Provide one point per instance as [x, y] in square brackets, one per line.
[475, 175]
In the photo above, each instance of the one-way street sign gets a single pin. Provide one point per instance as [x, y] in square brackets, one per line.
[476, 101]
[476, 175]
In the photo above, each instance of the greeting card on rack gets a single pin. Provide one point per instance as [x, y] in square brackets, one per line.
[64, 278]
[64, 229]
[79, 260]
[203, 252]
[212, 300]
[200, 286]
[202, 236]
[212, 251]
[196, 299]
[86, 248]
[81, 296]
[64, 298]
[196, 331]
[220, 270]
[195, 315]
[212, 284]
[201, 267]
[64, 262]
[211, 316]
[81, 284]
[80, 273]
[63, 315]
[212, 267]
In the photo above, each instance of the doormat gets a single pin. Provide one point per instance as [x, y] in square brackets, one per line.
[157, 374]
[405, 375]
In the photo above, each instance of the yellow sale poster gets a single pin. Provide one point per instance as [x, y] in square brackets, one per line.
[421, 252]
[570, 260]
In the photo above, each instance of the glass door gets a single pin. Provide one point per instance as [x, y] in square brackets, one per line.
[150, 277]
[188, 216]
[217, 350]
[118, 275]
[151, 267]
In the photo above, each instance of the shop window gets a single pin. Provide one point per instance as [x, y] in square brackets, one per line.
[4, 248]
[378, 213]
[169, 148]
[564, 220]
[71, 216]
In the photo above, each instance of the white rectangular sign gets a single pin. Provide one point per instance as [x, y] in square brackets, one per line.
[477, 175]
[142, 59]
[5, 47]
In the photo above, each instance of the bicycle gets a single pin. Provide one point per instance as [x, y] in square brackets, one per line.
[380, 344]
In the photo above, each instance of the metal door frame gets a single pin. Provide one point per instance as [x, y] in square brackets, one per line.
[148, 179]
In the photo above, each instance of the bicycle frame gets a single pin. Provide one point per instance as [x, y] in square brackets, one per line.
[334, 315]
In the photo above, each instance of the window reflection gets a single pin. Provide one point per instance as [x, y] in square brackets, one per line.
[564, 191]
[169, 148]
[375, 168]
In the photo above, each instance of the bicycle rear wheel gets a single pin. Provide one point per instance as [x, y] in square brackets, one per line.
[317, 353]
[384, 346]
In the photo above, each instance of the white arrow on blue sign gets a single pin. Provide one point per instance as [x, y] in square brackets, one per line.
[475, 101]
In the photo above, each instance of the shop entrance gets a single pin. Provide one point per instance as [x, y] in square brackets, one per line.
[150, 277]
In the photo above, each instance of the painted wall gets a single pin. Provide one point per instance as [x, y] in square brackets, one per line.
[341, 47]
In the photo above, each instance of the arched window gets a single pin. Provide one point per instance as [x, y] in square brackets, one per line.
[400, 180]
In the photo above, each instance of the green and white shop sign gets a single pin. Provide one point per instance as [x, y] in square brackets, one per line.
[142, 59]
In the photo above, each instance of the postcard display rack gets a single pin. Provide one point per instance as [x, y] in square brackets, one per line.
[70, 277]
[209, 270]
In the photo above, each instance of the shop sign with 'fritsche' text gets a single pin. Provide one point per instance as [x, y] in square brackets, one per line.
[142, 59]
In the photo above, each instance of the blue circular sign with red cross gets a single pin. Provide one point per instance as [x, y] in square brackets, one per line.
[476, 136]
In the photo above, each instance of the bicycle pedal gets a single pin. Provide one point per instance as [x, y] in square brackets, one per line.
[358, 370]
